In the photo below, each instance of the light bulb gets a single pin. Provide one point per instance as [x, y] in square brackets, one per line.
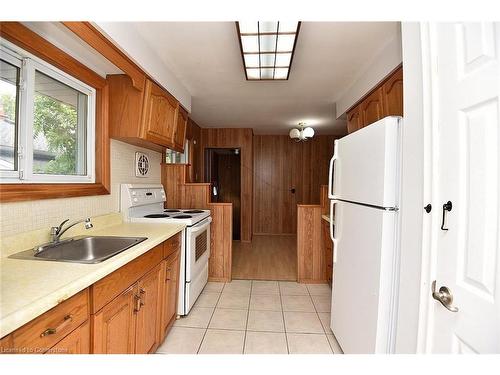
[294, 133]
[308, 132]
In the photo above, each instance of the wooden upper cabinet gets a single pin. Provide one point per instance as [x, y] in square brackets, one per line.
[180, 129]
[114, 324]
[393, 94]
[385, 100]
[159, 115]
[148, 316]
[354, 120]
[372, 108]
[146, 118]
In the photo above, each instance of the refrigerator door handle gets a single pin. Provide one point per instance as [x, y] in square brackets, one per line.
[334, 240]
[330, 175]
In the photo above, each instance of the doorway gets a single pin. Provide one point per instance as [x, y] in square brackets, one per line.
[223, 171]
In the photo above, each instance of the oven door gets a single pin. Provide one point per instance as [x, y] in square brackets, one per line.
[197, 249]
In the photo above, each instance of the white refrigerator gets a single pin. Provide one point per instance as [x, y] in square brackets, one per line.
[364, 188]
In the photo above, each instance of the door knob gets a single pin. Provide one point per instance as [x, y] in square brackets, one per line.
[444, 296]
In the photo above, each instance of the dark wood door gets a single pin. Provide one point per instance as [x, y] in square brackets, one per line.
[148, 316]
[114, 325]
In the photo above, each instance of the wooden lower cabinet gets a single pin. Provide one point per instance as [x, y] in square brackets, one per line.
[148, 316]
[77, 342]
[114, 325]
[170, 292]
[128, 311]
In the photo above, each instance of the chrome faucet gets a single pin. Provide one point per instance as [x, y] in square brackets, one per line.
[57, 232]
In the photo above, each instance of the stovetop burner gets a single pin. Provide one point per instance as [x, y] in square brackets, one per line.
[156, 216]
[182, 217]
[172, 210]
[193, 212]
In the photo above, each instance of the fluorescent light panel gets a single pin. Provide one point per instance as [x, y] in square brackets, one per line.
[267, 48]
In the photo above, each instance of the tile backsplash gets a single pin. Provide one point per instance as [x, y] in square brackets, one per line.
[20, 217]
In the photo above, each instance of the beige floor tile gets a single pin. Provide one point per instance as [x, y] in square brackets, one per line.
[223, 342]
[229, 319]
[213, 287]
[302, 322]
[319, 289]
[334, 344]
[182, 340]
[207, 299]
[322, 303]
[265, 287]
[291, 288]
[265, 343]
[198, 318]
[265, 302]
[268, 321]
[325, 321]
[308, 344]
[233, 301]
[238, 287]
[297, 303]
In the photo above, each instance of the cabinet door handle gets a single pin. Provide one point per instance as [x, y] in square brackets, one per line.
[51, 331]
[138, 303]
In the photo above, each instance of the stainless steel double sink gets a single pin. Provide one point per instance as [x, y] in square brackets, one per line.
[85, 249]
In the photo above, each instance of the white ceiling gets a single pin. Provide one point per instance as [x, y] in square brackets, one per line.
[206, 58]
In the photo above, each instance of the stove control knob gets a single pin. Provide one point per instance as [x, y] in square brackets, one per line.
[135, 199]
[134, 193]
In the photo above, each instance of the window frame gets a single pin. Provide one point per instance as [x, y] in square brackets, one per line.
[14, 61]
[29, 65]
[21, 36]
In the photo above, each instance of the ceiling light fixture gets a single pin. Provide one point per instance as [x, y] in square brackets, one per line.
[267, 48]
[302, 134]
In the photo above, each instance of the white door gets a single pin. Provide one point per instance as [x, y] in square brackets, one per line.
[467, 254]
[363, 293]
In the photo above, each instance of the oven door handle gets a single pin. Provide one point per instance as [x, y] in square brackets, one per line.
[199, 227]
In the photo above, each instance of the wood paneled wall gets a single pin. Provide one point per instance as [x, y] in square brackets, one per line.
[281, 164]
[234, 138]
[182, 194]
[221, 253]
[311, 266]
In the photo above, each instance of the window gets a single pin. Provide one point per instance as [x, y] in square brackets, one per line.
[175, 157]
[47, 122]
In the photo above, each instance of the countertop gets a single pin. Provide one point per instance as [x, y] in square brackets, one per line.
[327, 218]
[31, 287]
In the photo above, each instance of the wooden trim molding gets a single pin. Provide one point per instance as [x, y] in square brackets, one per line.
[20, 35]
[93, 37]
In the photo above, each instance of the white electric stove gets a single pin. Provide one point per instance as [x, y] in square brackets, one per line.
[144, 203]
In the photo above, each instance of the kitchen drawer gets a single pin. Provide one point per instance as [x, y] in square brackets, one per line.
[171, 245]
[44, 332]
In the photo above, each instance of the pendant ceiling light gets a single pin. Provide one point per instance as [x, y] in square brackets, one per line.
[302, 133]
